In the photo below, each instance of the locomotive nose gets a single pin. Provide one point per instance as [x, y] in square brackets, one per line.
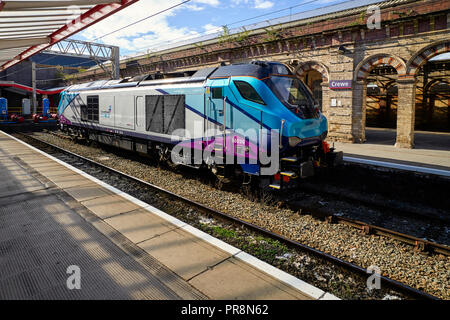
[306, 128]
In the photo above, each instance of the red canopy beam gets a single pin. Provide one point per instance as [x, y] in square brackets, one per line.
[87, 19]
[29, 89]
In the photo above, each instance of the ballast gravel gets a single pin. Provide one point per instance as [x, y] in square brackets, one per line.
[398, 261]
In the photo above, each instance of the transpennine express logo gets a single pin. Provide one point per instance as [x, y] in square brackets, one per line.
[106, 113]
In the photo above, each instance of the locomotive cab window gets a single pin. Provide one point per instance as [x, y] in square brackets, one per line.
[248, 92]
[83, 112]
[89, 112]
[216, 93]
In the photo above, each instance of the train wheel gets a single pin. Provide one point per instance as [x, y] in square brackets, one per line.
[164, 157]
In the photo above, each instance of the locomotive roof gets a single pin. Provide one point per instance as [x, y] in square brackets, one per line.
[257, 69]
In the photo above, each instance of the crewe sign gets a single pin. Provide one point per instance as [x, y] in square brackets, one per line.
[340, 84]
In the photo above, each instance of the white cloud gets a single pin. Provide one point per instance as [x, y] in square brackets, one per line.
[156, 32]
[260, 4]
[152, 32]
[194, 7]
[210, 28]
[238, 2]
[256, 4]
[209, 2]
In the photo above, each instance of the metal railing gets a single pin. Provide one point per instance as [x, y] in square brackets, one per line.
[18, 110]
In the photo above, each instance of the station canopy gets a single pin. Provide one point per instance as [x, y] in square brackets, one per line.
[23, 89]
[30, 26]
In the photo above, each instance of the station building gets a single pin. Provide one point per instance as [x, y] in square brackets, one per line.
[16, 82]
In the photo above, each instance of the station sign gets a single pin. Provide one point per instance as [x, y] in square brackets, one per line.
[340, 84]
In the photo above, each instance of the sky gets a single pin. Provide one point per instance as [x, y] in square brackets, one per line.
[190, 20]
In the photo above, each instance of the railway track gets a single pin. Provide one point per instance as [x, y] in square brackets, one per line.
[78, 160]
[419, 244]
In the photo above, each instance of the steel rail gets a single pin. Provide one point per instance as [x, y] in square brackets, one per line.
[418, 243]
[379, 204]
[412, 292]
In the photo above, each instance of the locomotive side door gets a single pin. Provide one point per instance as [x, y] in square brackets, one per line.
[216, 114]
[216, 111]
[139, 105]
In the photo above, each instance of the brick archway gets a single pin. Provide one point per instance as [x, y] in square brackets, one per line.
[304, 67]
[406, 101]
[425, 108]
[363, 68]
[424, 55]
[307, 66]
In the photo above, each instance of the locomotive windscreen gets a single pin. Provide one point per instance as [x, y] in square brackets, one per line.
[294, 95]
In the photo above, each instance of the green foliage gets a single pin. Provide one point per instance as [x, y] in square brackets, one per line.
[273, 34]
[361, 17]
[354, 23]
[265, 248]
[402, 14]
[199, 45]
[222, 232]
[225, 36]
[61, 74]
[262, 247]
[240, 37]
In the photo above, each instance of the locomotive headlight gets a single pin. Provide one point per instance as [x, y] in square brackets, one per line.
[293, 141]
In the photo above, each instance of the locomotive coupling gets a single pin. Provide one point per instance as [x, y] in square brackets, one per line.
[334, 158]
[306, 169]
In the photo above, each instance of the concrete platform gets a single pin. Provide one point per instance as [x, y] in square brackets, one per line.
[53, 216]
[431, 153]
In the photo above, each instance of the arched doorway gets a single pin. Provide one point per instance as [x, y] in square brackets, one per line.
[313, 80]
[431, 67]
[316, 76]
[381, 103]
[433, 95]
[379, 82]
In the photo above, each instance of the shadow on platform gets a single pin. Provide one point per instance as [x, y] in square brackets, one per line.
[422, 139]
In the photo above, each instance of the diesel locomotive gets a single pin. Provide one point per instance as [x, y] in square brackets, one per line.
[253, 120]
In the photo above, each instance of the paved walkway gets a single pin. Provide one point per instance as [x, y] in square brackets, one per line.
[53, 216]
[43, 231]
[432, 150]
